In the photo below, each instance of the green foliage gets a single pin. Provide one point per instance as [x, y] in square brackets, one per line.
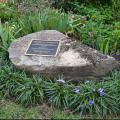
[29, 23]
[27, 90]
[116, 37]
[102, 105]
[33, 23]
[66, 96]
[7, 11]
[8, 32]
[32, 90]
[6, 84]
[44, 19]
[98, 36]
[101, 37]
[65, 115]
[68, 5]
[10, 110]
[99, 32]
[5, 36]
[57, 94]
[96, 32]
[101, 14]
[115, 77]
[116, 9]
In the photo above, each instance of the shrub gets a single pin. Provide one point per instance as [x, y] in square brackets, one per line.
[68, 5]
[116, 9]
[7, 11]
[97, 32]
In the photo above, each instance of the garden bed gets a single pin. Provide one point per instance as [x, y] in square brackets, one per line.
[100, 31]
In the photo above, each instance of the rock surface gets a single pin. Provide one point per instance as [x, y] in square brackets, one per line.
[74, 61]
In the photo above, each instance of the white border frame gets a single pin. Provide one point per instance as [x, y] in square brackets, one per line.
[58, 48]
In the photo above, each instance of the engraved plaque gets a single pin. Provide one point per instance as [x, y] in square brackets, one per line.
[43, 48]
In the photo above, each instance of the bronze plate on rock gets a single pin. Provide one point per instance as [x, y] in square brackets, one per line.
[43, 48]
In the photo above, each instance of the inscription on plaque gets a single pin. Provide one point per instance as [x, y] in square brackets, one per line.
[43, 48]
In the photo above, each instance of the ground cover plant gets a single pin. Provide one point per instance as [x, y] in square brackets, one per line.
[96, 27]
[92, 98]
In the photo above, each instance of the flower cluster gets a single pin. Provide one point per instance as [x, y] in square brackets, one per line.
[101, 92]
[91, 102]
[77, 90]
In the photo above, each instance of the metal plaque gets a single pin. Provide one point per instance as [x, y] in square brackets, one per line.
[43, 48]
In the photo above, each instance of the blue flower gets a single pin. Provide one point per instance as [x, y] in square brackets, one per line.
[77, 90]
[61, 81]
[91, 102]
[101, 92]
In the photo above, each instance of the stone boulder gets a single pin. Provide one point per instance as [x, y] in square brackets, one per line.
[75, 61]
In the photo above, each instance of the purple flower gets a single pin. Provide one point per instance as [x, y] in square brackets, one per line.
[91, 102]
[77, 90]
[61, 81]
[101, 91]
